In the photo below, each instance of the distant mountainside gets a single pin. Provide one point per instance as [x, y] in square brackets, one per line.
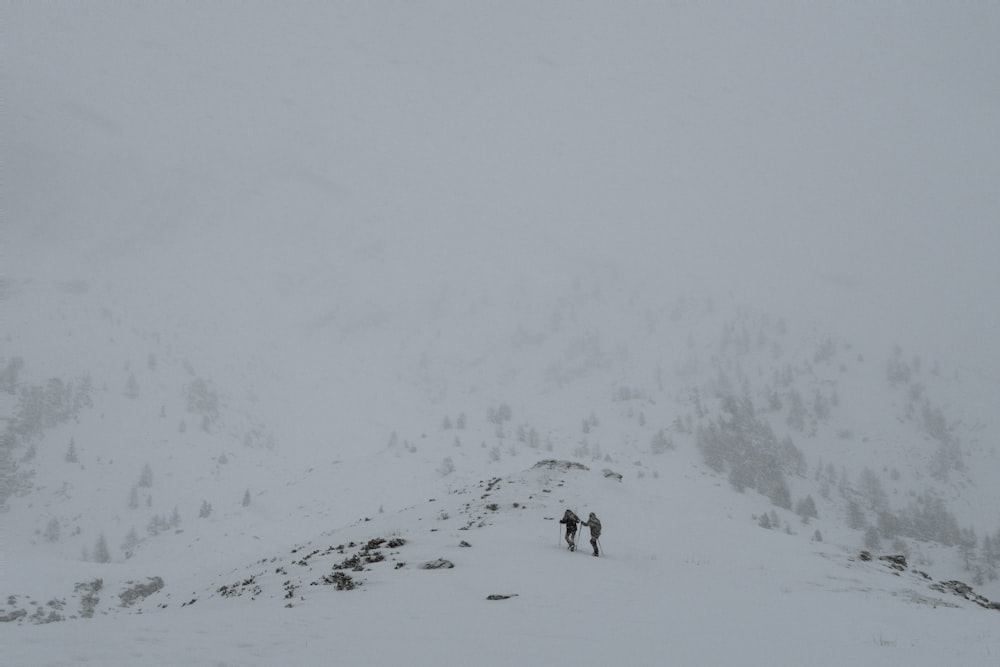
[132, 441]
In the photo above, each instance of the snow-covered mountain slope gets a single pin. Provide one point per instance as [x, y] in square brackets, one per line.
[278, 282]
[598, 376]
[702, 586]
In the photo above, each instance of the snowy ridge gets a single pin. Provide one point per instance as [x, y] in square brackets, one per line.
[499, 536]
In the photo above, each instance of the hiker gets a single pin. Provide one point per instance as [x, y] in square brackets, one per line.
[594, 524]
[570, 519]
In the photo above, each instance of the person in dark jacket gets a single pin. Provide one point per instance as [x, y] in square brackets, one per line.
[571, 520]
[594, 524]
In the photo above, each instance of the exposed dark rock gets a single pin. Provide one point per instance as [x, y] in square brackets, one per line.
[342, 581]
[350, 563]
[555, 464]
[139, 591]
[963, 590]
[437, 564]
[13, 615]
[248, 585]
[896, 562]
[89, 597]
[498, 596]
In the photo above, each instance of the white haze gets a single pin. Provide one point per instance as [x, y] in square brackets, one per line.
[840, 162]
[355, 218]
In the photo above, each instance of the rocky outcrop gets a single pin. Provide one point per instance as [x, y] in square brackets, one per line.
[963, 590]
[898, 564]
[554, 464]
[139, 591]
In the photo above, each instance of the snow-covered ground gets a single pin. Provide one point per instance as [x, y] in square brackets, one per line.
[283, 281]
[685, 578]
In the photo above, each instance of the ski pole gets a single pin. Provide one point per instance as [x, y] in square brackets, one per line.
[600, 546]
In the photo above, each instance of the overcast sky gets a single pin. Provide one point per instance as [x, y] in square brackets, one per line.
[834, 162]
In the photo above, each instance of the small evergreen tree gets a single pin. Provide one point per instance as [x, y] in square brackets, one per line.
[870, 487]
[806, 509]
[146, 476]
[855, 516]
[130, 543]
[967, 542]
[796, 418]
[661, 442]
[779, 492]
[52, 530]
[872, 539]
[101, 553]
[71, 456]
[131, 387]
[890, 525]
[990, 555]
[157, 525]
[821, 406]
[447, 467]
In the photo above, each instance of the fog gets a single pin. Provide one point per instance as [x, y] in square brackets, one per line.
[838, 163]
[244, 173]
[260, 260]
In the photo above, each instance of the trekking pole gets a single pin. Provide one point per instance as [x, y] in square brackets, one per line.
[600, 547]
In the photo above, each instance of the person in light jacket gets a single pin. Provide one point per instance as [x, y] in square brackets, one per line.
[594, 524]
